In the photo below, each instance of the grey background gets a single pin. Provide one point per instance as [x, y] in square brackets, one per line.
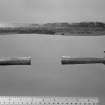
[46, 76]
[40, 11]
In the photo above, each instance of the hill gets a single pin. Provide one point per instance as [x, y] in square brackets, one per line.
[82, 28]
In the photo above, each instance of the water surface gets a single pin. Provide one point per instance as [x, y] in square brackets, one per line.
[46, 76]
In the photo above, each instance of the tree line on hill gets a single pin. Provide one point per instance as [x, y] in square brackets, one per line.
[95, 28]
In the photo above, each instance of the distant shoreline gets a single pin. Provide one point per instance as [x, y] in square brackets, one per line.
[65, 29]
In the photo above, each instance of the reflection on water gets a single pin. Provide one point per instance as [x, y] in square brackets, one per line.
[44, 76]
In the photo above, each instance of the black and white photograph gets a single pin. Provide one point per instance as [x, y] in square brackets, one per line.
[52, 52]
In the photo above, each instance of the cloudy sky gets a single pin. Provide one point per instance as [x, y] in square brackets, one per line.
[39, 11]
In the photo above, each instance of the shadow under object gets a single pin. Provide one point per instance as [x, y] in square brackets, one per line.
[88, 60]
[15, 61]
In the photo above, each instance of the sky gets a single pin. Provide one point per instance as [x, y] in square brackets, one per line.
[39, 11]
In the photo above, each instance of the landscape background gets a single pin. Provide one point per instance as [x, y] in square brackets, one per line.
[82, 28]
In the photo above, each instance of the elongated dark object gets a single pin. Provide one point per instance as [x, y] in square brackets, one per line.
[15, 61]
[89, 60]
